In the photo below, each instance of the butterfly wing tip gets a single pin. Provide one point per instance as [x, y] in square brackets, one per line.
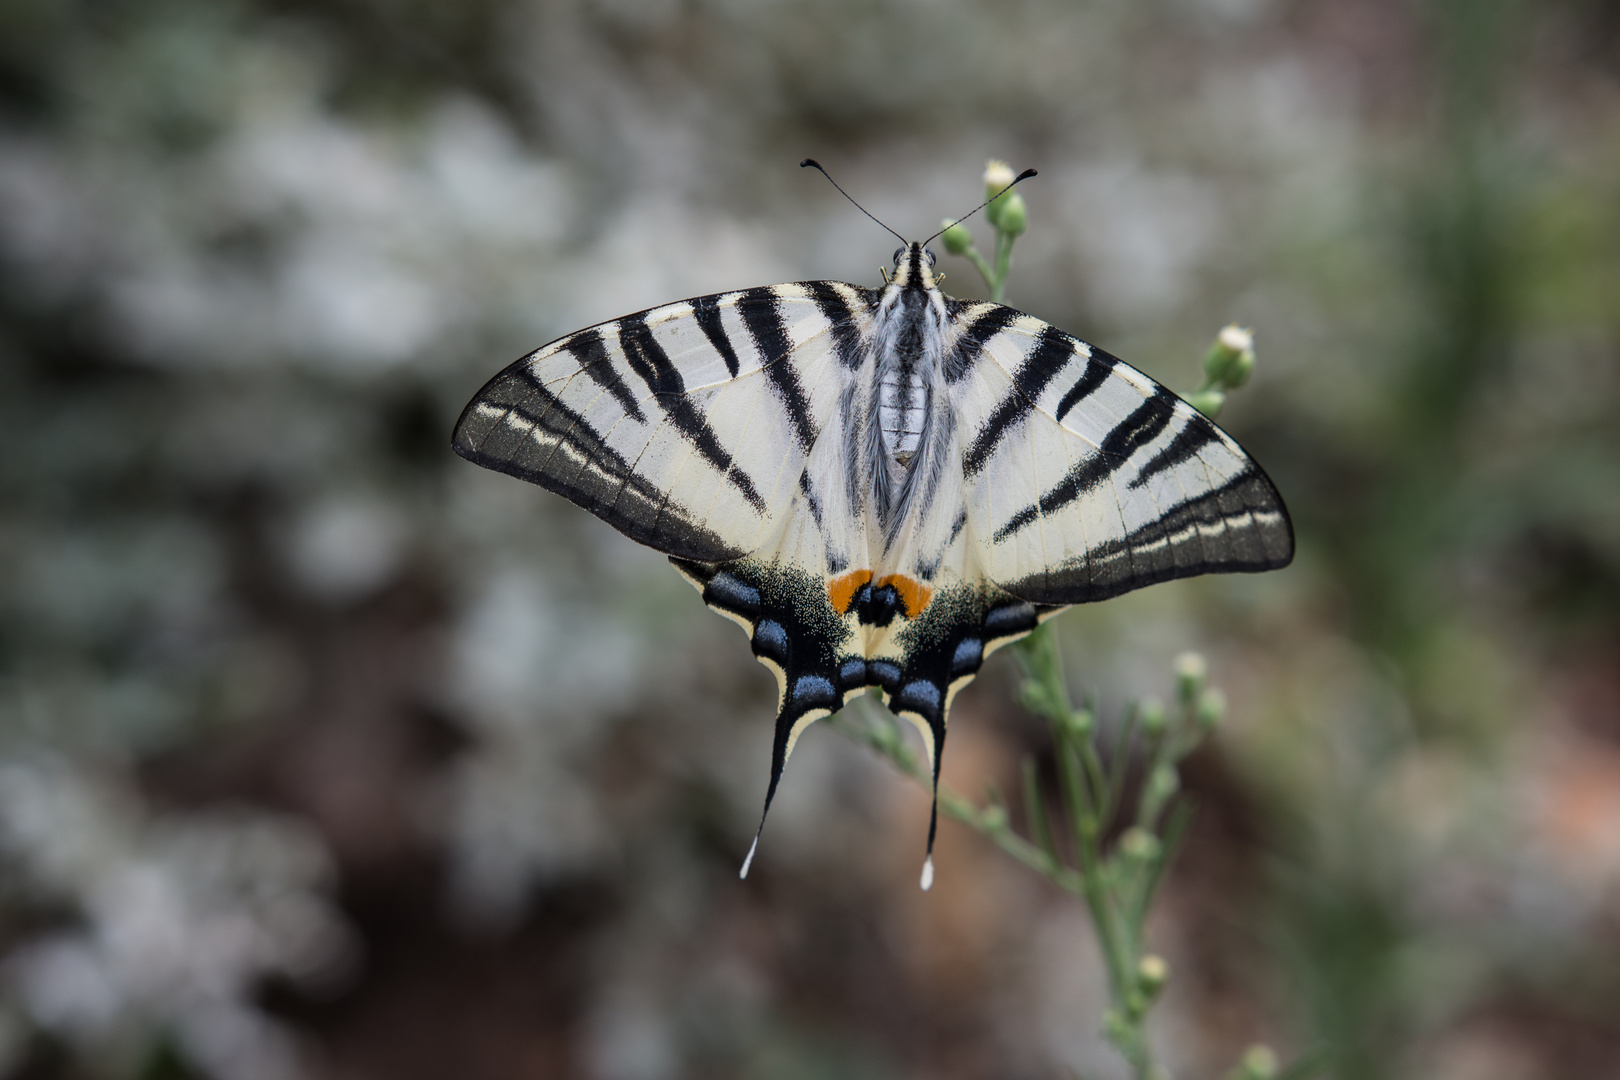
[928, 874]
[742, 875]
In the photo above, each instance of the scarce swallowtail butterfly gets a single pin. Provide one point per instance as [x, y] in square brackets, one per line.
[881, 486]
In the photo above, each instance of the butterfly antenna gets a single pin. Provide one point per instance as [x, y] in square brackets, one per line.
[812, 163]
[1021, 177]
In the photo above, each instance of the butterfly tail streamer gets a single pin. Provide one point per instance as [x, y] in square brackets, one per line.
[790, 724]
[933, 827]
[933, 804]
[930, 723]
[779, 753]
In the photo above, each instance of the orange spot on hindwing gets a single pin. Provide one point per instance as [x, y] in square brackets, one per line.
[914, 594]
[841, 590]
[845, 590]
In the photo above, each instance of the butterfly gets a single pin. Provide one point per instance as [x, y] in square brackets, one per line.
[881, 486]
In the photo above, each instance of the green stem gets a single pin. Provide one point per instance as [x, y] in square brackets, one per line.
[1086, 793]
[972, 255]
[1004, 246]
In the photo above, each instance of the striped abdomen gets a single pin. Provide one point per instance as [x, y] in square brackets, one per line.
[902, 409]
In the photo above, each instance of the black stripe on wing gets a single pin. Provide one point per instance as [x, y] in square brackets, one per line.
[1099, 365]
[591, 352]
[761, 314]
[516, 426]
[706, 309]
[1053, 349]
[1136, 430]
[648, 360]
[985, 321]
[844, 313]
[1182, 449]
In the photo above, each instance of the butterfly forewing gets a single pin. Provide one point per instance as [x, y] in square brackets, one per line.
[1087, 479]
[686, 427]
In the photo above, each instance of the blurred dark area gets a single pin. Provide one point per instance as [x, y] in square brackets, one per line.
[324, 754]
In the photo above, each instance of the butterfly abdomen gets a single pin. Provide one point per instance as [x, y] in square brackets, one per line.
[902, 410]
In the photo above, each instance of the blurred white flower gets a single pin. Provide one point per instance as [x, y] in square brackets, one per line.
[343, 547]
[180, 919]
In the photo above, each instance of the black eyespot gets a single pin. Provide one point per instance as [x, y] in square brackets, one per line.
[897, 253]
[930, 253]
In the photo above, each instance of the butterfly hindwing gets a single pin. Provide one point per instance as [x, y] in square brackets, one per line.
[795, 632]
[940, 652]
[821, 658]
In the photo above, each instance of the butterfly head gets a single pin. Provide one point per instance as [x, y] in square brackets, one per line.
[913, 267]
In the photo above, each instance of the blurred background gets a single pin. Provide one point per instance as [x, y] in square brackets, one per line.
[325, 754]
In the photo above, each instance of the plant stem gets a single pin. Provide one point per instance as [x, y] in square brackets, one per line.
[1089, 799]
[995, 276]
[972, 255]
[1004, 246]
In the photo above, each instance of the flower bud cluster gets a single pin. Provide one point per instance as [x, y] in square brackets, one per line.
[1006, 212]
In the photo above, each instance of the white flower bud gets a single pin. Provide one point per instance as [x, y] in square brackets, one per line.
[1236, 338]
[1191, 671]
[1230, 359]
[997, 176]
[1151, 972]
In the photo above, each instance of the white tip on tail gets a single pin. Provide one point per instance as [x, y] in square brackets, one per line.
[928, 873]
[750, 860]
